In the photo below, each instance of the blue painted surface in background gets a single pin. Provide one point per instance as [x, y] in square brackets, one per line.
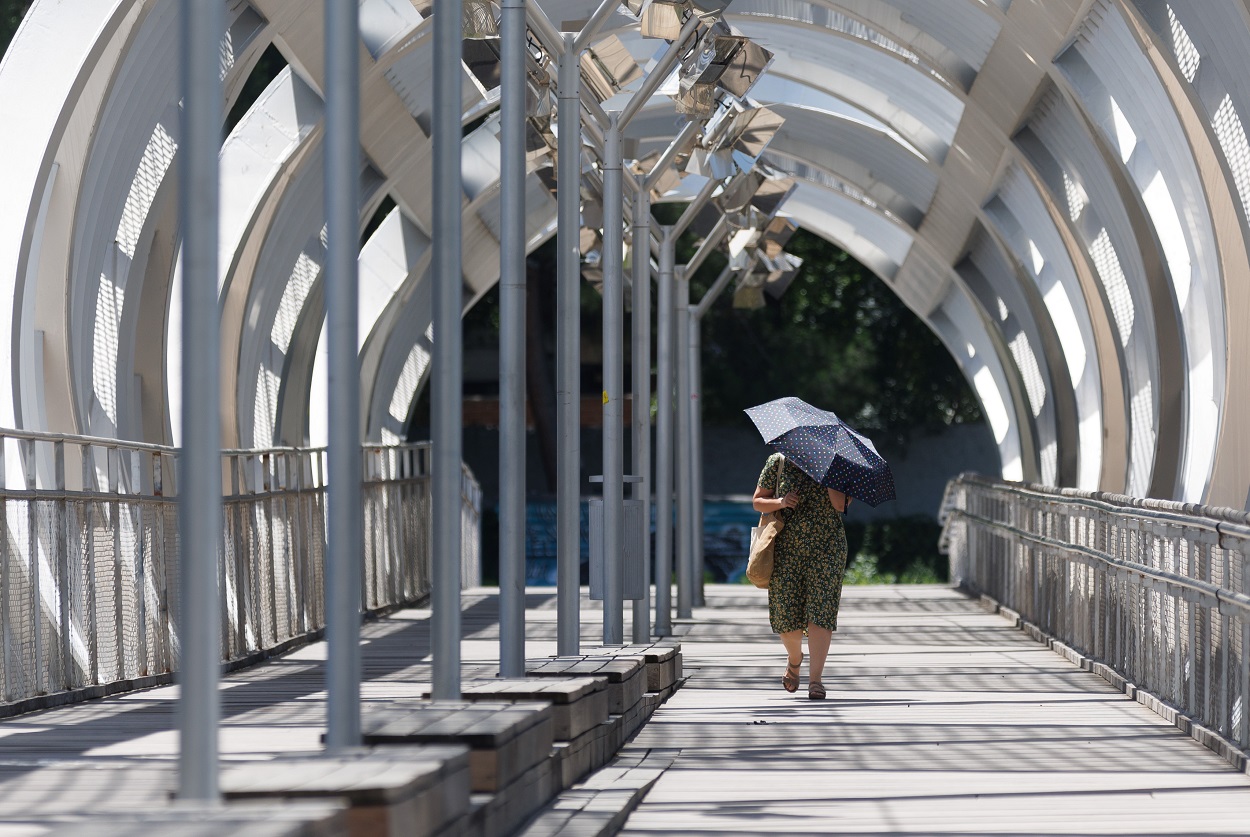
[726, 537]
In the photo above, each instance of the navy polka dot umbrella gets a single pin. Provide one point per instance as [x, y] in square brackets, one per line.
[825, 448]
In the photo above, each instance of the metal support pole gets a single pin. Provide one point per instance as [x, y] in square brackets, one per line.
[641, 363]
[447, 477]
[709, 245]
[345, 521]
[199, 472]
[664, 438]
[696, 417]
[694, 364]
[717, 288]
[613, 391]
[543, 29]
[568, 365]
[512, 342]
[596, 22]
[685, 514]
[688, 131]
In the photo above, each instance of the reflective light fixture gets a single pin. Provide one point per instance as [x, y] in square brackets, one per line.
[735, 138]
[748, 132]
[774, 237]
[771, 275]
[780, 272]
[480, 19]
[738, 194]
[745, 67]
[772, 193]
[480, 47]
[481, 56]
[608, 67]
[662, 18]
[726, 57]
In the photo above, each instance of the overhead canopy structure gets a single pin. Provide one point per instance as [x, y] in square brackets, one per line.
[1060, 190]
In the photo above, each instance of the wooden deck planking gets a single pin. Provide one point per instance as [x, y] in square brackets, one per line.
[119, 754]
[941, 719]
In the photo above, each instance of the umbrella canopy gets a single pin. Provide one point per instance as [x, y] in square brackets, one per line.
[826, 448]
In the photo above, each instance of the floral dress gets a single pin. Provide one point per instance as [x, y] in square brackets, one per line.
[809, 558]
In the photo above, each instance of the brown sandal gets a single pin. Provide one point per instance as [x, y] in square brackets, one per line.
[815, 691]
[790, 680]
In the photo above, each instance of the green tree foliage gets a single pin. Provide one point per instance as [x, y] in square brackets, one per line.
[11, 13]
[840, 339]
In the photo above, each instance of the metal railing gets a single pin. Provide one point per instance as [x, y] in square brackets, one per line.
[89, 572]
[1157, 591]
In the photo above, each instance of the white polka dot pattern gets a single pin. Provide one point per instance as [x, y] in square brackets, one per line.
[826, 448]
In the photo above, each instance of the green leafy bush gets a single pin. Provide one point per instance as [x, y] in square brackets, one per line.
[901, 550]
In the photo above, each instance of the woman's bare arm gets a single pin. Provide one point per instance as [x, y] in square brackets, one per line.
[764, 501]
[840, 502]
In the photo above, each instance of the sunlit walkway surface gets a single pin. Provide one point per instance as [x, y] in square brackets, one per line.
[942, 718]
[119, 754]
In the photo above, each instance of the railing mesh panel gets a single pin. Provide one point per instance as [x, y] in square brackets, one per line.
[89, 576]
[1158, 591]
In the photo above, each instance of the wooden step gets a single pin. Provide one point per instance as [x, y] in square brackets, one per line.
[504, 739]
[577, 703]
[390, 790]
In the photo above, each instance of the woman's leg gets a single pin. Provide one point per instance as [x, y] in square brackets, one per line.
[793, 641]
[818, 646]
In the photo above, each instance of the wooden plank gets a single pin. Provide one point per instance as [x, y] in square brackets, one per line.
[941, 718]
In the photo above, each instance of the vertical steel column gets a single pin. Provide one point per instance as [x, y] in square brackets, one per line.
[344, 525]
[696, 451]
[685, 515]
[664, 437]
[613, 390]
[696, 380]
[568, 355]
[641, 363]
[199, 471]
[512, 342]
[446, 477]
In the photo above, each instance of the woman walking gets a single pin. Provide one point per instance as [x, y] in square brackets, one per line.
[809, 565]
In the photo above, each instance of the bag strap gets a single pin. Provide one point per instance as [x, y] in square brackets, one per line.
[781, 460]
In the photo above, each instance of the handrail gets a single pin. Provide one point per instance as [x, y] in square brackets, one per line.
[89, 575]
[1217, 594]
[1182, 513]
[1156, 591]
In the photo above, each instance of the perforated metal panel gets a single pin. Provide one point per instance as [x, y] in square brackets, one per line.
[1157, 591]
[89, 583]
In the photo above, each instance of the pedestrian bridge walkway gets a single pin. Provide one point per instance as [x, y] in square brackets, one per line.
[942, 718]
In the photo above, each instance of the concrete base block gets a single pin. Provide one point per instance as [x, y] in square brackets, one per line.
[390, 791]
[626, 676]
[577, 703]
[500, 814]
[662, 659]
[243, 819]
[587, 753]
[600, 806]
[504, 739]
